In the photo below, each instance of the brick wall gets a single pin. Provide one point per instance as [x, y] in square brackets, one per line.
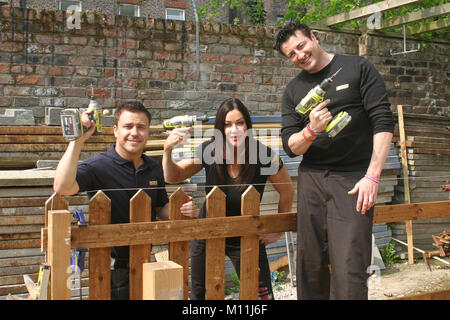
[43, 63]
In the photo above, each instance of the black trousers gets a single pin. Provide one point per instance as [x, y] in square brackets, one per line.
[197, 250]
[331, 231]
[120, 287]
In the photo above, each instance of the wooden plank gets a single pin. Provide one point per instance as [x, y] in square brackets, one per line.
[162, 281]
[215, 249]
[21, 220]
[418, 15]
[59, 252]
[20, 244]
[181, 230]
[50, 147]
[429, 151]
[140, 211]
[42, 139]
[38, 201]
[249, 275]
[415, 211]
[408, 223]
[15, 178]
[435, 295]
[179, 250]
[56, 130]
[429, 145]
[99, 258]
[365, 11]
[428, 27]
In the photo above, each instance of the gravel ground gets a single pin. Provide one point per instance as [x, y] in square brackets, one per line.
[396, 281]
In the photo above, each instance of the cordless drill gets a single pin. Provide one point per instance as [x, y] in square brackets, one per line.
[316, 96]
[183, 121]
[71, 123]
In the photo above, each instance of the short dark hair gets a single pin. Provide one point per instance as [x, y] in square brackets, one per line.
[133, 106]
[289, 30]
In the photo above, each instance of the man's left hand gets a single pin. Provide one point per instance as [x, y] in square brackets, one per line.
[367, 194]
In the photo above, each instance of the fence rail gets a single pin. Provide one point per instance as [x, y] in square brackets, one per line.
[59, 236]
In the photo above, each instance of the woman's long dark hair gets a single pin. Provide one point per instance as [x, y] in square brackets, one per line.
[218, 171]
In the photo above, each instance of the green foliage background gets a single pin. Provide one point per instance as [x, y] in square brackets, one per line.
[309, 11]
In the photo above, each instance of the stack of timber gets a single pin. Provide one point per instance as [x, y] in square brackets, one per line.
[428, 158]
[22, 146]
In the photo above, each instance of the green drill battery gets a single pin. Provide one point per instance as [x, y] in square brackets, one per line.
[338, 123]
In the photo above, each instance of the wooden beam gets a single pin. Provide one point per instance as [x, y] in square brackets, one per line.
[185, 230]
[249, 274]
[99, 258]
[366, 11]
[181, 230]
[415, 16]
[408, 223]
[414, 211]
[435, 295]
[215, 249]
[140, 211]
[429, 27]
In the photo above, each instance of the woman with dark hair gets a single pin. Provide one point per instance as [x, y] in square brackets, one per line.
[233, 160]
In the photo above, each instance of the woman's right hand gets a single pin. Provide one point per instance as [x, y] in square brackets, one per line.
[176, 136]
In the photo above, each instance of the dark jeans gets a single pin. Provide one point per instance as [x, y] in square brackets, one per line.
[331, 231]
[120, 281]
[234, 253]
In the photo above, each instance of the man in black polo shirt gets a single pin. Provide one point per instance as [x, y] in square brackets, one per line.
[120, 172]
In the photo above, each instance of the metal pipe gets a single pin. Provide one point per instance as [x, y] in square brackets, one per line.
[197, 40]
[421, 251]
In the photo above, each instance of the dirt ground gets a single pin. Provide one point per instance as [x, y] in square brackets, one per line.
[396, 281]
[403, 279]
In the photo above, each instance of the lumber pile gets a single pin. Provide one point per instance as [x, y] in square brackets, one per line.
[428, 159]
[22, 146]
[428, 154]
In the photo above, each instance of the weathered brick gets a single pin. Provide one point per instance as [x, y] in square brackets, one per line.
[30, 79]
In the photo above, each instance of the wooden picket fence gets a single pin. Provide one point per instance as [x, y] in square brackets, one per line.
[59, 237]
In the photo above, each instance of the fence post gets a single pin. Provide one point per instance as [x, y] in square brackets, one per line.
[59, 253]
[408, 223]
[55, 202]
[179, 251]
[140, 211]
[99, 258]
[215, 249]
[249, 274]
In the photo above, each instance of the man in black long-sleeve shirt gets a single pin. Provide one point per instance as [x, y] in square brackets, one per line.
[338, 177]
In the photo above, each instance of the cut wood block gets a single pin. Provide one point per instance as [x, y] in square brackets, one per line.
[162, 281]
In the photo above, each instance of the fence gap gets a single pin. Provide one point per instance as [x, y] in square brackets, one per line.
[179, 250]
[99, 258]
[215, 249]
[249, 274]
[140, 211]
